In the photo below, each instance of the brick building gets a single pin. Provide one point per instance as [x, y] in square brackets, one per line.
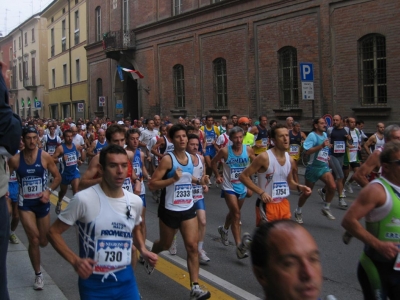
[242, 57]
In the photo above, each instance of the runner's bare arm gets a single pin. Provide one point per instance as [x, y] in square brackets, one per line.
[370, 197]
[52, 168]
[83, 266]
[260, 163]
[139, 243]
[87, 179]
[154, 149]
[91, 149]
[222, 153]
[59, 151]
[370, 142]
[250, 153]
[372, 163]
[293, 185]
[157, 182]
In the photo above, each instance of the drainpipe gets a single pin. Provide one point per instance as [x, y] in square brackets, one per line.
[70, 67]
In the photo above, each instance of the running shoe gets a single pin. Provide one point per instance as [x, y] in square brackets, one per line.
[246, 240]
[39, 283]
[198, 294]
[343, 195]
[141, 259]
[58, 207]
[327, 213]
[13, 239]
[203, 258]
[224, 235]
[149, 269]
[174, 247]
[321, 194]
[342, 203]
[298, 217]
[348, 187]
[241, 251]
[346, 238]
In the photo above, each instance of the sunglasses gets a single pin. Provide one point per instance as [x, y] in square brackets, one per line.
[397, 162]
[28, 129]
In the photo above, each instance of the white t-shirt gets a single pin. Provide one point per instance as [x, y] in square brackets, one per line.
[85, 206]
[78, 140]
[147, 135]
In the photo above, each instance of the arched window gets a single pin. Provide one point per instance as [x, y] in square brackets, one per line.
[288, 78]
[220, 83]
[99, 91]
[372, 69]
[179, 86]
[98, 23]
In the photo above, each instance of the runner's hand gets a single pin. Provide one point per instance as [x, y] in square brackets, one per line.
[388, 249]
[265, 197]
[150, 257]
[178, 174]
[84, 267]
[219, 180]
[45, 197]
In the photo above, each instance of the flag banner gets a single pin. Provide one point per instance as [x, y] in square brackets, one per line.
[121, 76]
[135, 74]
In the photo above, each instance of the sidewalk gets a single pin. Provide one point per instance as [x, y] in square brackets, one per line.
[20, 277]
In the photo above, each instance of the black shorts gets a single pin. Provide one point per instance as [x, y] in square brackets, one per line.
[352, 165]
[173, 219]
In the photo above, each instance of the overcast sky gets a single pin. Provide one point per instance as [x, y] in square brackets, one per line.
[15, 12]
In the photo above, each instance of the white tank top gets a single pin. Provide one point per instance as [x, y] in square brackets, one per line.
[274, 180]
[198, 171]
[379, 142]
[169, 147]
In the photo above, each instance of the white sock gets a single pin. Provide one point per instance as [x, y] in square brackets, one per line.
[298, 210]
[200, 245]
[327, 205]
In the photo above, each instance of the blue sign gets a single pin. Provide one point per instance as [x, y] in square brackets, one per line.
[306, 72]
[38, 104]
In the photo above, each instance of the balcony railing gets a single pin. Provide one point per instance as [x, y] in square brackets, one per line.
[119, 40]
[52, 51]
[30, 83]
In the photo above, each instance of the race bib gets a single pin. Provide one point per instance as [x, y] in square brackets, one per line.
[339, 147]
[323, 155]
[31, 187]
[197, 193]
[280, 190]
[264, 142]
[51, 150]
[70, 159]
[137, 168]
[13, 177]
[294, 149]
[209, 140]
[355, 148]
[183, 194]
[112, 255]
[127, 185]
[235, 173]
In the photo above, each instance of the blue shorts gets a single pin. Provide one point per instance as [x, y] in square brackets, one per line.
[66, 179]
[40, 209]
[13, 189]
[125, 288]
[200, 204]
[143, 197]
[210, 151]
[313, 174]
[239, 196]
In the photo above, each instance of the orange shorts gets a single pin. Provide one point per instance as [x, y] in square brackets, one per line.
[273, 211]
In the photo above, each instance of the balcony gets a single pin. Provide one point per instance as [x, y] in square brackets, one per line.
[30, 83]
[116, 41]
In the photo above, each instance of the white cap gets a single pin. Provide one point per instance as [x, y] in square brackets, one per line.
[120, 123]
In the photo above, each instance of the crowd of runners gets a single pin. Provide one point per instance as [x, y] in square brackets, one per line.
[179, 163]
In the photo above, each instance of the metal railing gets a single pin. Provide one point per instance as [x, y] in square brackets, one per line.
[119, 40]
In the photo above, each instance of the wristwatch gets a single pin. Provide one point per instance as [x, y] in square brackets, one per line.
[50, 190]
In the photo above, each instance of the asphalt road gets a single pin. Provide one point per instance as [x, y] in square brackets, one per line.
[225, 272]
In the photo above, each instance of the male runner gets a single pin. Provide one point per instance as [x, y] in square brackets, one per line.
[211, 134]
[108, 220]
[289, 123]
[69, 167]
[115, 134]
[79, 143]
[351, 159]
[145, 137]
[317, 146]
[198, 193]
[132, 138]
[176, 210]
[51, 140]
[223, 140]
[296, 137]
[222, 126]
[339, 137]
[98, 144]
[286, 261]
[248, 138]
[379, 203]
[31, 166]
[234, 119]
[376, 140]
[261, 133]
[236, 159]
[275, 172]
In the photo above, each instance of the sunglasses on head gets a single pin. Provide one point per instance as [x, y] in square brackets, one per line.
[28, 129]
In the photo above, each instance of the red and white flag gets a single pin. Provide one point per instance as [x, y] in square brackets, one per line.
[135, 74]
